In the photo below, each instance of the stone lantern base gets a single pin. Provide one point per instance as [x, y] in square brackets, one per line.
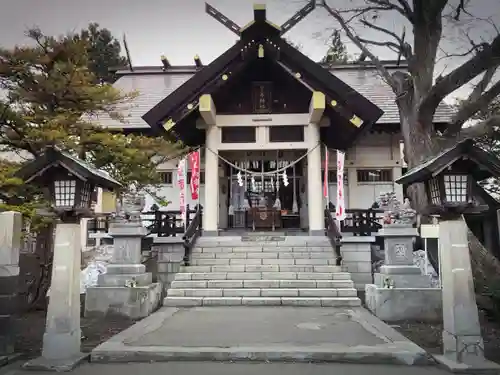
[126, 288]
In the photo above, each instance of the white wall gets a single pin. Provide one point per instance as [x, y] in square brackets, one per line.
[374, 151]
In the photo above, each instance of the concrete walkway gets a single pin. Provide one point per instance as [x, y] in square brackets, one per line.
[217, 368]
[262, 334]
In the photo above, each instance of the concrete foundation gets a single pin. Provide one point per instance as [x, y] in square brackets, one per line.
[170, 254]
[135, 303]
[357, 259]
[390, 305]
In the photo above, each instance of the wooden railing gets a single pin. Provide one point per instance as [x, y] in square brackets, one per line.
[193, 231]
[159, 223]
[333, 234]
[361, 222]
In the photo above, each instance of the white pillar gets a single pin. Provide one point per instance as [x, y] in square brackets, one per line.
[314, 188]
[462, 339]
[211, 208]
[11, 225]
[62, 332]
[61, 340]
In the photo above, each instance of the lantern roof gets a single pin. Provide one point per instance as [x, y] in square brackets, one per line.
[55, 158]
[475, 161]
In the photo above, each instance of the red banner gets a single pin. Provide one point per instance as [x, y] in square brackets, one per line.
[181, 181]
[340, 213]
[194, 164]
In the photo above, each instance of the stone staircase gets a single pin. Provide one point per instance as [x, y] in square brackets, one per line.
[262, 270]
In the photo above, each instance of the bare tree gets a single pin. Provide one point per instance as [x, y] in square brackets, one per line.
[418, 93]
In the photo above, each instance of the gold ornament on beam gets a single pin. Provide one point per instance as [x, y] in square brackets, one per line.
[356, 121]
[261, 51]
[333, 103]
[298, 75]
[165, 62]
[225, 77]
[190, 106]
[169, 124]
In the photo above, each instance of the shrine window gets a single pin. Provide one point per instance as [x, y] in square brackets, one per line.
[286, 133]
[238, 134]
[374, 175]
[166, 177]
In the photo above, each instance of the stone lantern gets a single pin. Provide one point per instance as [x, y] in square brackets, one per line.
[449, 178]
[68, 183]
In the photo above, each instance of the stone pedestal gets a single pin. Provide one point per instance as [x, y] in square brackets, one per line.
[126, 288]
[61, 340]
[400, 291]
[462, 342]
[398, 267]
[10, 243]
[170, 252]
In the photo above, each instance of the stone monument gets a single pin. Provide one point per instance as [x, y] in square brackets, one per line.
[400, 290]
[126, 288]
[10, 243]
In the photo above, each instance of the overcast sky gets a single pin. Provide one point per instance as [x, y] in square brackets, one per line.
[181, 29]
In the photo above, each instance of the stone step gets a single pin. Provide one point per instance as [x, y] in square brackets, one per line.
[262, 301]
[260, 284]
[284, 262]
[266, 255]
[263, 276]
[260, 268]
[261, 249]
[273, 292]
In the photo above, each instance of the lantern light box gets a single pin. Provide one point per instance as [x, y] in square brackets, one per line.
[69, 181]
[450, 178]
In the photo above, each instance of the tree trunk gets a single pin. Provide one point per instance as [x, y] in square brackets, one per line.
[418, 146]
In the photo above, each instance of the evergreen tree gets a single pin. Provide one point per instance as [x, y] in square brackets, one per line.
[51, 99]
[103, 52]
[337, 51]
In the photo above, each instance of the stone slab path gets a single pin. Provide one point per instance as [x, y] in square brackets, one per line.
[217, 368]
[261, 334]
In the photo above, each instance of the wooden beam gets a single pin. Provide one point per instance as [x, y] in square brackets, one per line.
[317, 107]
[207, 109]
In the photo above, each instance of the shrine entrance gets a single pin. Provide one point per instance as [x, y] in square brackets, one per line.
[258, 198]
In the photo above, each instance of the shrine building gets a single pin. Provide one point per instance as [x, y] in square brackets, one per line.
[263, 108]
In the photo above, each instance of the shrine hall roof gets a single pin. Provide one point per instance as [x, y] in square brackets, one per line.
[153, 85]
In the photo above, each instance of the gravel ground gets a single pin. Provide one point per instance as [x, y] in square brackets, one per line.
[428, 335]
[30, 327]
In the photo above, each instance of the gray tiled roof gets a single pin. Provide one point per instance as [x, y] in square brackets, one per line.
[370, 84]
[153, 86]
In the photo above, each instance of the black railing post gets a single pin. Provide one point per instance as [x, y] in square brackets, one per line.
[188, 214]
[334, 235]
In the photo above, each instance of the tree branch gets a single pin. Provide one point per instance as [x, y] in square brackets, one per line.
[407, 11]
[355, 39]
[482, 61]
[481, 86]
[401, 47]
[471, 107]
[404, 9]
[480, 129]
